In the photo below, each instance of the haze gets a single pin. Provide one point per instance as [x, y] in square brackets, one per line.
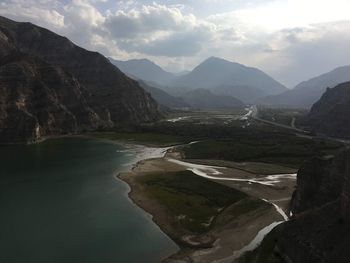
[290, 40]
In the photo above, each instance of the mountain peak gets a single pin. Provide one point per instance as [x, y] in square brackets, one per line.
[215, 72]
[217, 60]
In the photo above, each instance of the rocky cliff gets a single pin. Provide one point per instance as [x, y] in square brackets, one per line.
[319, 231]
[49, 86]
[331, 114]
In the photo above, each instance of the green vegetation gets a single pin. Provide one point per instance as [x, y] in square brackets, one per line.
[228, 140]
[281, 115]
[195, 201]
[143, 138]
[283, 149]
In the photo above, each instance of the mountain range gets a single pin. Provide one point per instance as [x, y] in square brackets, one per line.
[218, 76]
[216, 72]
[49, 86]
[308, 92]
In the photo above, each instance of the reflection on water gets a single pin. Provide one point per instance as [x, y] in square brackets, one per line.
[60, 202]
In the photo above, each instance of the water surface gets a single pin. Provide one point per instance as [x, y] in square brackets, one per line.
[60, 202]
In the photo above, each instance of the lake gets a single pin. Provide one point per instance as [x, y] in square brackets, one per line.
[60, 202]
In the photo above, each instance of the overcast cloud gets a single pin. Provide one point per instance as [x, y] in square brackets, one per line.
[290, 40]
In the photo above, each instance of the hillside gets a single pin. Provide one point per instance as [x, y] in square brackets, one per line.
[215, 72]
[308, 92]
[82, 85]
[331, 113]
[144, 69]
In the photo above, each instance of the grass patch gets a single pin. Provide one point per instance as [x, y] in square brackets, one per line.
[281, 115]
[193, 200]
[143, 138]
[280, 149]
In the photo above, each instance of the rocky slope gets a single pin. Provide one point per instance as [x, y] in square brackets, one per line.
[38, 100]
[50, 86]
[144, 69]
[319, 232]
[164, 98]
[331, 114]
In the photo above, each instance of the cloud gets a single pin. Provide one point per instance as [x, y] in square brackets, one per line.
[159, 30]
[291, 40]
[39, 12]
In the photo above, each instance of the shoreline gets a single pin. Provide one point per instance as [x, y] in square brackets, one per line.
[217, 243]
[203, 248]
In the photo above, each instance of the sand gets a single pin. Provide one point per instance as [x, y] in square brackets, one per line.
[221, 243]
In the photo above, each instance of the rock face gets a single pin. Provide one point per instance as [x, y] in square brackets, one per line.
[331, 114]
[38, 99]
[50, 86]
[319, 232]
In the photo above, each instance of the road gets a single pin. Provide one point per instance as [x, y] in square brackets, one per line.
[254, 116]
[254, 113]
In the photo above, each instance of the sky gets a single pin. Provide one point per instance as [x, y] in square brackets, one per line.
[291, 40]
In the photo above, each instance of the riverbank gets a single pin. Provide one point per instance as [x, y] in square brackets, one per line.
[227, 234]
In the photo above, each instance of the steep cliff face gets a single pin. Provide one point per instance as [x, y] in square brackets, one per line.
[331, 114]
[37, 99]
[49, 86]
[114, 97]
[320, 181]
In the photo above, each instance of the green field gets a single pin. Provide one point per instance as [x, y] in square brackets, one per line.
[282, 115]
[280, 149]
[194, 201]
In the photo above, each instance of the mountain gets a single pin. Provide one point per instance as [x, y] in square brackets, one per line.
[215, 72]
[244, 93]
[308, 92]
[331, 113]
[204, 99]
[49, 86]
[144, 69]
[164, 98]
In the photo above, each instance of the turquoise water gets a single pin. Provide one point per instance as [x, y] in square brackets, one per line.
[60, 202]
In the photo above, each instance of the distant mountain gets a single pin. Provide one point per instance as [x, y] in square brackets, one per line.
[144, 69]
[164, 98]
[331, 114]
[308, 92]
[214, 73]
[49, 86]
[247, 94]
[204, 99]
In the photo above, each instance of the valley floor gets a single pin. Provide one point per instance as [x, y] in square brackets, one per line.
[262, 201]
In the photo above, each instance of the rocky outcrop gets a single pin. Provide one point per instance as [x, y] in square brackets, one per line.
[331, 114]
[319, 231]
[320, 181]
[37, 99]
[49, 86]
